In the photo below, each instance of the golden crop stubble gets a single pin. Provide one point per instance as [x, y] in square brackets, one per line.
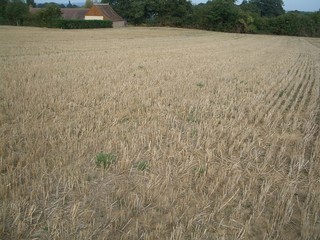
[226, 123]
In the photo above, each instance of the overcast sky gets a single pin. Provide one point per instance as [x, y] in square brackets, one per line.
[301, 5]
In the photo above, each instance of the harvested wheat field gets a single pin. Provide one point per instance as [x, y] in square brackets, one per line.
[158, 133]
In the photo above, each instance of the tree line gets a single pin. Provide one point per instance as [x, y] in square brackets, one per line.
[251, 16]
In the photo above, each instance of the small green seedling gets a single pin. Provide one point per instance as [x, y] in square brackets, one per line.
[142, 165]
[281, 94]
[192, 118]
[105, 159]
[200, 171]
[200, 85]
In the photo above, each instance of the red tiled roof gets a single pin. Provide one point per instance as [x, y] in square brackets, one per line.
[107, 11]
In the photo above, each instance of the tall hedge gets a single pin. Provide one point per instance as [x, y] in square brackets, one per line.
[292, 24]
[81, 24]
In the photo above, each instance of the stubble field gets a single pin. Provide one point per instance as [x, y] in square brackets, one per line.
[203, 135]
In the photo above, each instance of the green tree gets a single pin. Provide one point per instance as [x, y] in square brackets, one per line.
[174, 12]
[269, 8]
[111, 2]
[250, 7]
[295, 24]
[134, 11]
[48, 14]
[220, 15]
[245, 23]
[316, 20]
[3, 6]
[163, 12]
[31, 3]
[88, 4]
[15, 11]
[44, 5]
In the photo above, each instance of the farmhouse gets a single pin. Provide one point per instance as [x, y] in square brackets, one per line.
[74, 13]
[98, 11]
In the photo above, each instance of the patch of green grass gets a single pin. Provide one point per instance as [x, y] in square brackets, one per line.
[105, 159]
[200, 84]
[200, 171]
[281, 94]
[123, 120]
[192, 116]
[142, 165]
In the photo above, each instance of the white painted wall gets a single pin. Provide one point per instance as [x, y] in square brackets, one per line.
[118, 24]
[93, 18]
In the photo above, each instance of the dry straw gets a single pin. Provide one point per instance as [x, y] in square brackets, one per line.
[158, 133]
